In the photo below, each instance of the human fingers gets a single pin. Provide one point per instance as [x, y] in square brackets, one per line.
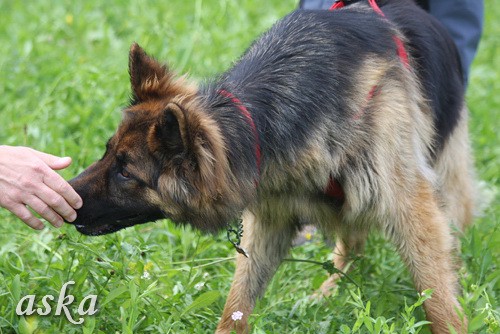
[44, 210]
[56, 202]
[53, 161]
[55, 182]
[61, 163]
[25, 215]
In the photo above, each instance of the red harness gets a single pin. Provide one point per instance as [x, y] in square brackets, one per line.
[244, 111]
[400, 47]
[333, 189]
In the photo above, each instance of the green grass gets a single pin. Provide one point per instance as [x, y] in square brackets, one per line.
[63, 81]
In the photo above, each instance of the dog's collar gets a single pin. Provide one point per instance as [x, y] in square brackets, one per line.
[248, 116]
[234, 234]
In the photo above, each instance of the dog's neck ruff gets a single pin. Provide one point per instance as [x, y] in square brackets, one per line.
[400, 47]
[248, 116]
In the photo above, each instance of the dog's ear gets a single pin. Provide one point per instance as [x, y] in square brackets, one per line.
[168, 135]
[185, 128]
[149, 79]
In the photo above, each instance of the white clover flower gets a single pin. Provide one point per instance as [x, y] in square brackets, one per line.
[425, 294]
[237, 315]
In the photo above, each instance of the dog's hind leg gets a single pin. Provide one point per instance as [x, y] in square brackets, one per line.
[345, 249]
[266, 245]
[423, 237]
[455, 171]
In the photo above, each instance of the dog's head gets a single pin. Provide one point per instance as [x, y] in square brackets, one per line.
[166, 159]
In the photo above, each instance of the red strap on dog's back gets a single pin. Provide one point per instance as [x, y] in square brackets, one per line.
[333, 188]
[375, 7]
[337, 5]
[400, 47]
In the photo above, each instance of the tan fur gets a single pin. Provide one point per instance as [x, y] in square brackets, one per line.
[456, 191]
[157, 89]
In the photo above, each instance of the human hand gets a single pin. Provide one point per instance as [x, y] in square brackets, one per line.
[27, 178]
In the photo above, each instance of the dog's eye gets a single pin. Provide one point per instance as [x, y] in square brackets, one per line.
[124, 174]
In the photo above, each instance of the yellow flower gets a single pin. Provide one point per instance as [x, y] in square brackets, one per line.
[148, 266]
[69, 19]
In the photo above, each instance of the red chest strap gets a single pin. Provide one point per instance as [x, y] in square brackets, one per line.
[334, 190]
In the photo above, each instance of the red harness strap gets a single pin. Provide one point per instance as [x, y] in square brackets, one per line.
[375, 7]
[401, 51]
[334, 189]
[400, 47]
[337, 5]
[244, 111]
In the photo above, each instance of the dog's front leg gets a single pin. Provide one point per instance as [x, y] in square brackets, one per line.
[266, 243]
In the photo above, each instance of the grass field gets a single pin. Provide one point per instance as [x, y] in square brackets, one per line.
[63, 81]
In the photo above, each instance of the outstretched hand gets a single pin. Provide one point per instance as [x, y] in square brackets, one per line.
[27, 178]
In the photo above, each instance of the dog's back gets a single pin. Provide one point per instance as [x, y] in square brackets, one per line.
[302, 59]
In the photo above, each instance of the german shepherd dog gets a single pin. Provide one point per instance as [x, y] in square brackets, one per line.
[322, 120]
